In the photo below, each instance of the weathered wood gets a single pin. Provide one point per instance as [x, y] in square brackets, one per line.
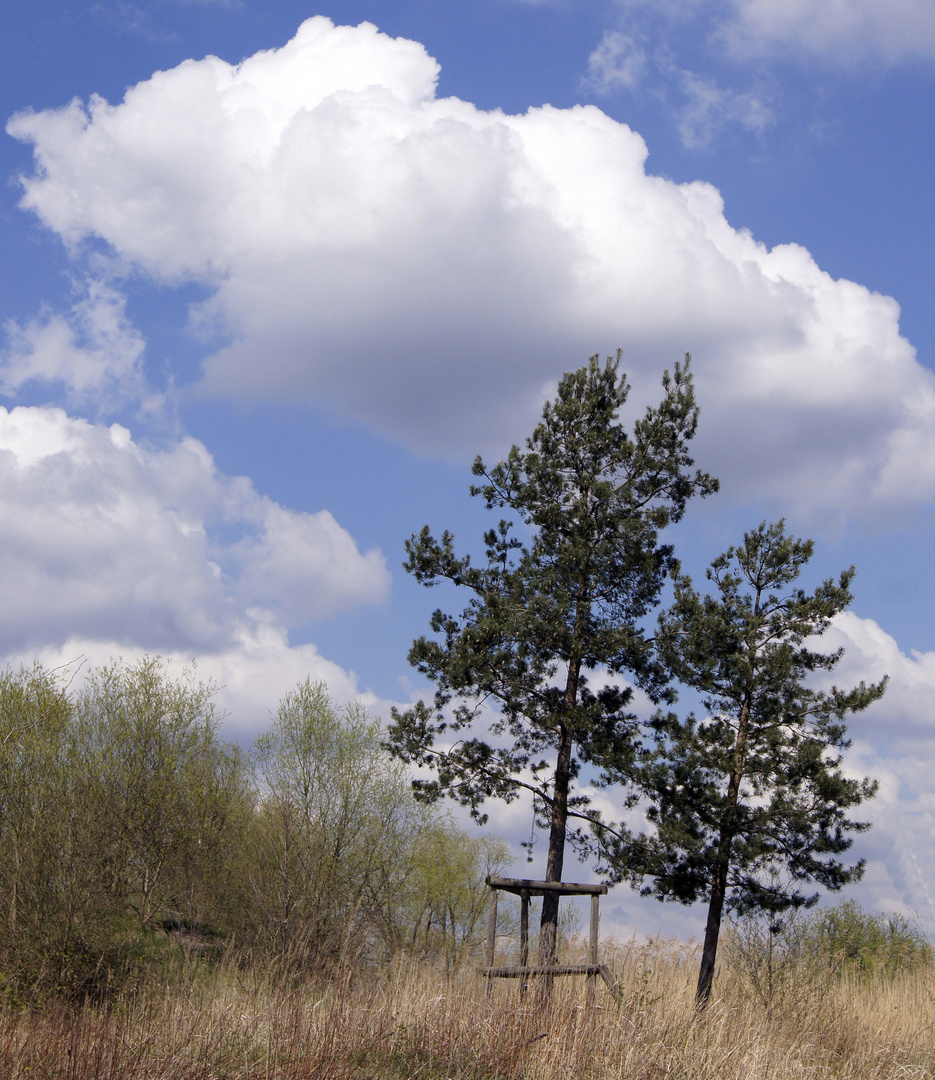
[541, 969]
[592, 951]
[524, 888]
[591, 970]
[611, 983]
[491, 927]
[595, 923]
[538, 888]
[523, 936]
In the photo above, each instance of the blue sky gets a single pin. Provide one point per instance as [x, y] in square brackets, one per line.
[269, 284]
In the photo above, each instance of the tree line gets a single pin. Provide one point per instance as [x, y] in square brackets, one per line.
[129, 827]
[747, 804]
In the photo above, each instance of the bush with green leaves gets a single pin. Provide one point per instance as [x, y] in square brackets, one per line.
[788, 960]
[846, 937]
[43, 887]
[169, 796]
[134, 838]
[333, 810]
[343, 860]
[448, 890]
[121, 812]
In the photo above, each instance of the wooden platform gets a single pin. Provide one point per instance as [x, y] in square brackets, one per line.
[525, 888]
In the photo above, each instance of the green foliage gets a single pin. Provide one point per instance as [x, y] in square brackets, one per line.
[591, 500]
[753, 790]
[335, 816]
[448, 894]
[847, 937]
[136, 843]
[343, 860]
[168, 794]
[789, 962]
[41, 873]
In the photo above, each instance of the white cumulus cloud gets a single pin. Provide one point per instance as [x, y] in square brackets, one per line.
[428, 267]
[103, 538]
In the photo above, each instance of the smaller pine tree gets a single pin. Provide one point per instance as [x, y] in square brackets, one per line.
[752, 794]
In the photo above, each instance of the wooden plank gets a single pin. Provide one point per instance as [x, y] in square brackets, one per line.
[592, 951]
[611, 983]
[537, 888]
[491, 927]
[523, 937]
[550, 969]
[595, 922]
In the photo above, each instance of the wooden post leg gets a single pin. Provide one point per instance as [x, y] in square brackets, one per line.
[491, 936]
[523, 938]
[592, 953]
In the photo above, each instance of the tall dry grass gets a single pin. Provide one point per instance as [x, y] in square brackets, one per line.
[410, 1021]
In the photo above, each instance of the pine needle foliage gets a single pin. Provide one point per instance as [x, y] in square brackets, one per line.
[569, 576]
[749, 803]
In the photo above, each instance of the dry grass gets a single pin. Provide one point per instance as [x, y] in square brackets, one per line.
[409, 1022]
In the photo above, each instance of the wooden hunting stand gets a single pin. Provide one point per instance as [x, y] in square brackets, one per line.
[524, 888]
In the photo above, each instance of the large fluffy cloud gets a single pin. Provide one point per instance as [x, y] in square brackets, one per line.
[429, 267]
[103, 538]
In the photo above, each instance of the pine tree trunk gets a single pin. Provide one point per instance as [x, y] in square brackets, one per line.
[711, 933]
[719, 882]
[548, 926]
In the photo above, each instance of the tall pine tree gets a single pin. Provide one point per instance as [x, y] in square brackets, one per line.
[568, 578]
[750, 803]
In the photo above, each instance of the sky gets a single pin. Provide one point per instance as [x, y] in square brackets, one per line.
[274, 273]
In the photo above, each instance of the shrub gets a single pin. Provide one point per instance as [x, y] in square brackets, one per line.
[846, 936]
